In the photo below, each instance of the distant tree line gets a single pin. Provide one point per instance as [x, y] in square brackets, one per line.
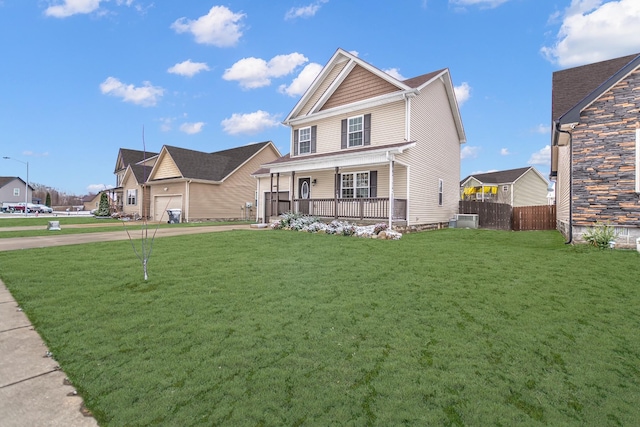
[54, 197]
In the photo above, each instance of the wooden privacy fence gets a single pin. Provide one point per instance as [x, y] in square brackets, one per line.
[534, 218]
[501, 216]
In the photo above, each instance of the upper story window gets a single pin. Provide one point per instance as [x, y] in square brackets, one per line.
[304, 140]
[16, 191]
[356, 131]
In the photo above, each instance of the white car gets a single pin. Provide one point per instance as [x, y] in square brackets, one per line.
[41, 209]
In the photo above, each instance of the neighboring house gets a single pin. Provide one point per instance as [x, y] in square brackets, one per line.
[365, 146]
[204, 186]
[595, 156]
[91, 201]
[132, 169]
[12, 189]
[515, 187]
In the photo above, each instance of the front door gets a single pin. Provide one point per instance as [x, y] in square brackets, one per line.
[304, 194]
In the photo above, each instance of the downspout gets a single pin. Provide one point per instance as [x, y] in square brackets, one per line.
[570, 239]
[390, 157]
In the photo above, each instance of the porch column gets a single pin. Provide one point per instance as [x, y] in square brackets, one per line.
[270, 198]
[391, 192]
[292, 189]
[336, 190]
[278, 194]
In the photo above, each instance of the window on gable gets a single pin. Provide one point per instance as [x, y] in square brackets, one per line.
[132, 197]
[355, 132]
[304, 139]
[440, 192]
[358, 184]
[16, 191]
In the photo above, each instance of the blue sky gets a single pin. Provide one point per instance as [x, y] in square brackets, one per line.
[82, 78]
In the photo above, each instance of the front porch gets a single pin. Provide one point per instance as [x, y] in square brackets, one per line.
[363, 208]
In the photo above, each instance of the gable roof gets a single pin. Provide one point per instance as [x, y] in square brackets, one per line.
[324, 88]
[575, 88]
[128, 157]
[499, 177]
[4, 180]
[214, 166]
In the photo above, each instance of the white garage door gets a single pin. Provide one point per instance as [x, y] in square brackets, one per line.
[162, 203]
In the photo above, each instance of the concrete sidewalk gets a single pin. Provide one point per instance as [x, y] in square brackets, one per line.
[33, 390]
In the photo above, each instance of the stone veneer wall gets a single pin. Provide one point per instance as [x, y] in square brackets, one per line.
[604, 160]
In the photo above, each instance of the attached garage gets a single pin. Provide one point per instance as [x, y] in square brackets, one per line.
[162, 203]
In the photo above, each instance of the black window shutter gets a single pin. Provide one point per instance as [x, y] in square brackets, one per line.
[295, 142]
[314, 129]
[373, 183]
[367, 129]
[343, 141]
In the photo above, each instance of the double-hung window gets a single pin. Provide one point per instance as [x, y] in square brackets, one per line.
[355, 131]
[16, 191]
[132, 196]
[304, 139]
[440, 192]
[355, 184]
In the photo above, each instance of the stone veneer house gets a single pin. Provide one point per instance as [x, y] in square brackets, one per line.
[595, 156]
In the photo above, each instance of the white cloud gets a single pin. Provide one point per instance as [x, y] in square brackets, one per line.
[253, 72]
[395, 73]
[300, 84]
[593, 30]
[145, 95]
[469, 152]
[542, 157]
[192, 128]
[481, 3]
[543, 129]
[249, 124]
[220, 27]
[504, 152]
[188, 68]
[304, 11]
[463, 93]
[96, 188]
[72, 7]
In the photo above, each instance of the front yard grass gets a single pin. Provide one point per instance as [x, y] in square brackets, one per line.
[451, 327]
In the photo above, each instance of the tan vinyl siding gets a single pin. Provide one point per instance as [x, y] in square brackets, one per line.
[530, 190]
[166, 169]
[435, 156]
[387, 127]
[562, 185]
[131, 184]
[360, 84]
[331, 76]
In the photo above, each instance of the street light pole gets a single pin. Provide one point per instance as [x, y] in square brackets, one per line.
[26, 185]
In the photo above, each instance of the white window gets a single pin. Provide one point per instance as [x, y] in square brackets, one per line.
[132, 197]
[304, 140]
[354, 185]
[505, 188]
[355, 131]
[16, 191]
[440, 192]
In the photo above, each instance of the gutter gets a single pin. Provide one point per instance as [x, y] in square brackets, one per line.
[558, 129]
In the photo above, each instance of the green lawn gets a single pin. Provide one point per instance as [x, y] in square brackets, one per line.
[245, 328]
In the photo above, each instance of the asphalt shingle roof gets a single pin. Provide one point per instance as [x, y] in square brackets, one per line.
[212, 166]
[572, 85]
[500, 177]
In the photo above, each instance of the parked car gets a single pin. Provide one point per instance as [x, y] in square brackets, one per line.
[41, 209]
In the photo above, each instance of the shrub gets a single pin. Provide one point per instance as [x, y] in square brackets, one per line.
[309, 224]
[600, 235]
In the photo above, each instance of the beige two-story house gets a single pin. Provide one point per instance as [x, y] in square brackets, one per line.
[367, 147]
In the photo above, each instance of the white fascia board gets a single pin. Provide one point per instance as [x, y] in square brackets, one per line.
[345, 109]
[378, 156]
